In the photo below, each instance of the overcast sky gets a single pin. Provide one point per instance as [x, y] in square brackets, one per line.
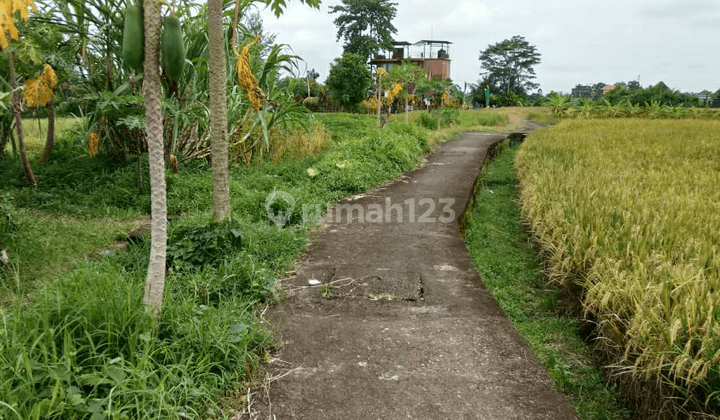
[580, 41]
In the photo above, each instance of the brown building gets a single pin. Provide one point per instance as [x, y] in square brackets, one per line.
[431, 55]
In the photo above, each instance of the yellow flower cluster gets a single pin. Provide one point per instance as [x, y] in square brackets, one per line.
[247, 79]
[93, 144]
[38, 92]
[370, 104]
[8, 8]
[392, 93]
[381, 72]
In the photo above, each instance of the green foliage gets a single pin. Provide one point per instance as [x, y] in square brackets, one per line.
[193, 246]
[447, 116]
[365, 25]
[559, 104]
[658, 93]
[434, 88]
[509, 66]
[349, 80]
[87, 349]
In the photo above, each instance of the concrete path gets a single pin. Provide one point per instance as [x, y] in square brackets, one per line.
[387, 318]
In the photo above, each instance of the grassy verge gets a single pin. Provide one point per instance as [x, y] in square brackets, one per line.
[503, 253]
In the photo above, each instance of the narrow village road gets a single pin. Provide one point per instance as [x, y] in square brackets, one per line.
[387, 318]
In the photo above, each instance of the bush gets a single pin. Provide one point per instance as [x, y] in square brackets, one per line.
[192, 247]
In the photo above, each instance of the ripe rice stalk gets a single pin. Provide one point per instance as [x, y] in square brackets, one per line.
[630, 210]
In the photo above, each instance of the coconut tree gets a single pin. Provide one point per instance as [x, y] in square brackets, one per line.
[155, 283]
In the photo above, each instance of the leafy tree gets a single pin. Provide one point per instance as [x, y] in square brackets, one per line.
[218, 97]
[365, 25]
[349, 80]
[312, 74]
[634, 84]
[558, 104]
[509, 66]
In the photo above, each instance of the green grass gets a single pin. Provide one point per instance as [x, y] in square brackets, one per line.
[75, 339]
[505, 257]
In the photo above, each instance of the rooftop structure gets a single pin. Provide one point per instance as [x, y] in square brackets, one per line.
[431, 55]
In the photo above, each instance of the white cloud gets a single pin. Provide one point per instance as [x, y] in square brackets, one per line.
[580, 41]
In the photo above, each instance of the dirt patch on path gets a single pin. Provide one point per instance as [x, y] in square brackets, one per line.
[388, 319]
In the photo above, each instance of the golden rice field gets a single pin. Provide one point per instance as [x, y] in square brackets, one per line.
[630, 211]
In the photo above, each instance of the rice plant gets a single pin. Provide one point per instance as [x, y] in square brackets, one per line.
[629, 210]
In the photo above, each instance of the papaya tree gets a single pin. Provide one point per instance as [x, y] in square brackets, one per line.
[8, 32]
[407, 74]
[155, 283]
[435, 88]
[38, 93]
[218, 111]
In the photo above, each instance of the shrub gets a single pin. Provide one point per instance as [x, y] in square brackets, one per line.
[191, 247]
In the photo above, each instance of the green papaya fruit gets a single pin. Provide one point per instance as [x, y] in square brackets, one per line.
[134, 38]
[173, 47]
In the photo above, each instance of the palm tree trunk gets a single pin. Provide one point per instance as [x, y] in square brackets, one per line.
[50, 139]
[218, 112]
[17, 110]
[155, 283]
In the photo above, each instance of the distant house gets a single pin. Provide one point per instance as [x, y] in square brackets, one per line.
[608, 88]
[705, 97]
[431, 55]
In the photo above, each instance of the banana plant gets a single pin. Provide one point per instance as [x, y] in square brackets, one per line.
[559, 104]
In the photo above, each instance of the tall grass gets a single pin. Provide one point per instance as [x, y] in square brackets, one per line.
[627, 210]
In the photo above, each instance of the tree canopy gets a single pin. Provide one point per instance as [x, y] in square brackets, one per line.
[509, 66]
[365, 25]
[349, 80]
